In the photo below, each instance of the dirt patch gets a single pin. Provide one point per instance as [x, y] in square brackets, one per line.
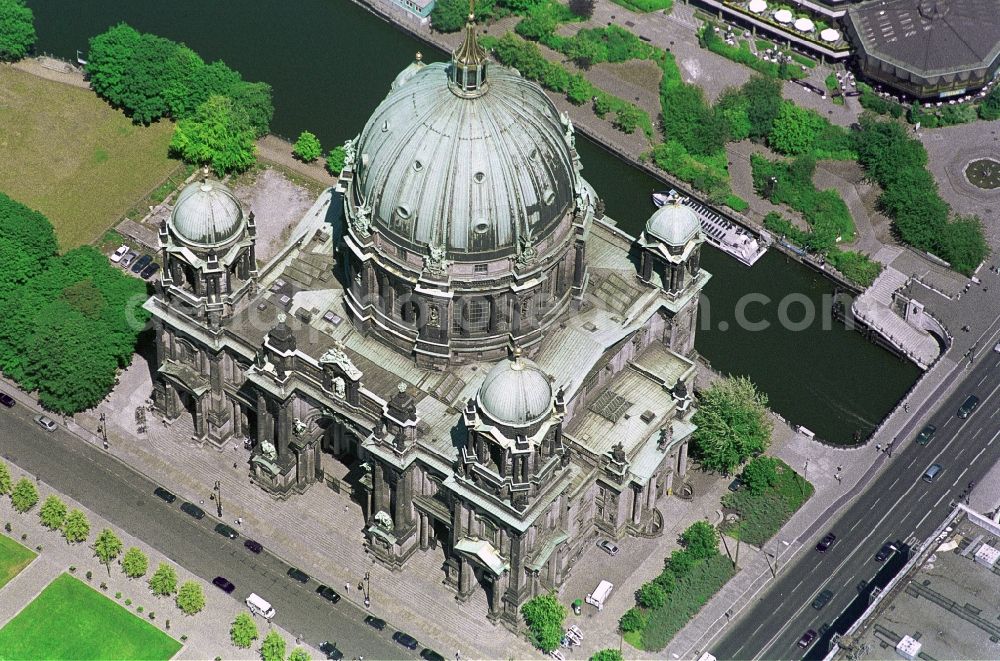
[277, 203]
[642, 73]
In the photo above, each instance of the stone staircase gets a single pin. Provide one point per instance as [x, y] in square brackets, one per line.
[875, 309]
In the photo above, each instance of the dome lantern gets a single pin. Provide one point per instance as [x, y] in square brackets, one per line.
[468, 63]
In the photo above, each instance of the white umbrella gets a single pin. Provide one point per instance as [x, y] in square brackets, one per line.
[783, 16]
[757, 6]
[804, 25]
[829, 35]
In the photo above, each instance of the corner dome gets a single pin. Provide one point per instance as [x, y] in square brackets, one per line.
[478, 174]
[206, 214]
[674, 223]
[516, 392]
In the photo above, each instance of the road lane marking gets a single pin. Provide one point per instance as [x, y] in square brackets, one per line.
[995, 411]
[980, 430]
[938, 501]
[797, 586]
[924, 518]
[912, 462]
[960, 476]
[856, 524]
[981, 450]
[896, 480]
[985, 376]
[946, 423]
[922, 494]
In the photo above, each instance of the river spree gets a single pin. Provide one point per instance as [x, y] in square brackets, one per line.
[330, 63]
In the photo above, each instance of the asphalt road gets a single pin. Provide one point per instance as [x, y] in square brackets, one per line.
[124, 497]
[897, 505]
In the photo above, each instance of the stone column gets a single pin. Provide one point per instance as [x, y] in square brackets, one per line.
[199, 418]
[682, 459]
[465, 577]
[424, 536]
[379, 487]
[636, 505]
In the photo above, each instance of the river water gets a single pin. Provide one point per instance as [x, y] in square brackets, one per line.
[330, 64]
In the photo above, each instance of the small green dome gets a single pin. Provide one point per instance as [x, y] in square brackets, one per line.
[206, 214]
[674, 223]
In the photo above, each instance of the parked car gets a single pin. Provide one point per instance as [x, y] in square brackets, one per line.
[885, 552]
[7, 400]
[330, 650]
[45, 422]
[193, 510]
[736, 484]
[254, 547]
[226, 531]
[825, 543]
[117, 255]
[807, 638]
[427, 654]
[141, 263]
[164, 495]
[298, 575]
[405, 639]
[150, 271]
[375, 622]
[328, 593]
[932, 472]
[609, 548]
[926, 434]
[223, 584]
[822, 599]
[128, 258]
[970, 404]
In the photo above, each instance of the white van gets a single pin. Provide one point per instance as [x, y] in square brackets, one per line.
[258, 606]
[600, 594]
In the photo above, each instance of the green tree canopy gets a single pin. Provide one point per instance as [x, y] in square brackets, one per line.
[989, 108]
[299, 654]
[5, 480]
[272, 648]
[651, 595]
[732, 424]
[190, 598]
[963, 243]
[243, 631]
[451, 15]
[796, 129]
[701, 540]
[632, 620]
[53, 512]
[760, 474]
[107, 547]
[763, 96]
[24, 496]
[255, 100]
[17, 30]
[307, 147]
[76, 528]
[27, 243]
[219, 134]
[134, 562]
[163, 582]
[544, 616]
[609, 654]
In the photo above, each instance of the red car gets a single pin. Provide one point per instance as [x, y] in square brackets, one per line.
[825, 543]
[807, 638]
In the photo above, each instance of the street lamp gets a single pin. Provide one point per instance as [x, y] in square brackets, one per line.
[218, 497]
[368, 589]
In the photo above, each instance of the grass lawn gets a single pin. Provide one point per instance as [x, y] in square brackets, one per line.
[71, 620]
[74, 158]
[13, 558]
[646, 5]
[761, 516]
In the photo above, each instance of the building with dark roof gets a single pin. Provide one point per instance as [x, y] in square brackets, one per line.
[927, 48]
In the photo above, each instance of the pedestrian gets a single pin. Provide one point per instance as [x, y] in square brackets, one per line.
[906, 408]
[840, 468]
[347, 588]
[878, 447]
[838, 478]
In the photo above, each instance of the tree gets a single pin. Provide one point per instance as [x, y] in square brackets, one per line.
[651, 595]
[760, 474]
[680, 562]
[76, 528]
[255, 101]
[763, 97]
[579, 91]
[299, 654]
[190, 598]
[53, 513]
[963, 244]
[17, 30]
[307, 147]
[243, 631]
[795, 129]
[989, 109]
[335, 160]
[5, 481]
[544, 616]
[107, 547]
[450, 15]
[632, 620]
[273, 647]
[24, 496]
[701, 540]
[582, 8]
[627, 118]
[218, 134]
[163, 582]
[732, 424]
[134, 562]
[27, 243]
[609, 654]
[109, 60]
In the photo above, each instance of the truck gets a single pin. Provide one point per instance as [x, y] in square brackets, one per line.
[600, 594]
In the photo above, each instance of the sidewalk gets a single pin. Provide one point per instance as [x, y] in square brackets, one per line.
[207, 632]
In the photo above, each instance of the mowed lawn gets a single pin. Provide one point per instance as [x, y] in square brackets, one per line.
[68, 154]
[71, 620]
[13, 558]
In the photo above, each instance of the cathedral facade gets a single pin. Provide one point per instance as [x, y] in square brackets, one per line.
[498, 374]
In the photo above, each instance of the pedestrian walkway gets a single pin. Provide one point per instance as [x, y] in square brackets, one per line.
[207, 633]
[876, 309]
